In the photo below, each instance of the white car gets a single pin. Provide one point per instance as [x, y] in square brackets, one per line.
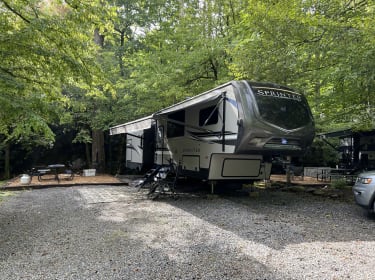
[364, 190]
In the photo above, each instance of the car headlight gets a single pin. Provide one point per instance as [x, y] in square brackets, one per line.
[364, 180]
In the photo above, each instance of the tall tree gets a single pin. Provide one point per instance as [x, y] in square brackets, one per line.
[44, 44]
[183, 53]
[320, 46]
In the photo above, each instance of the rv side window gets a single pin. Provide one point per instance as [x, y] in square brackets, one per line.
[175, 129]
[209, 115]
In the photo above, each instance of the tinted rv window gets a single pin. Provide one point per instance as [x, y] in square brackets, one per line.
[208, 116]
[175, 129]
[283, 108]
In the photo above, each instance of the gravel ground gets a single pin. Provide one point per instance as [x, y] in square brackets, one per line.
[107, 232]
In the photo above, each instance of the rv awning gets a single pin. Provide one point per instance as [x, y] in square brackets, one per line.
[202, 98]
[339, 133]
[132, 126]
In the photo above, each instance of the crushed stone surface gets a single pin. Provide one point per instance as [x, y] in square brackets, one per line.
[115, 232]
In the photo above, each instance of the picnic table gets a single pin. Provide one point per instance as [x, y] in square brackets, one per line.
[52, 169]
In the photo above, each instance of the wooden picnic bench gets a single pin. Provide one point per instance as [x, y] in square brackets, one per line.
[53, 171]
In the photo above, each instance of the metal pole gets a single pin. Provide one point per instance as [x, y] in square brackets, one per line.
[162, 141]
[224, 95]
[126, 150]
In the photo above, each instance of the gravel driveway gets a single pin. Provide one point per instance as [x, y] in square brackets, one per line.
[107, 232]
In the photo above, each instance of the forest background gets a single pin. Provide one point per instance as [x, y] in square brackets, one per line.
[71, 69]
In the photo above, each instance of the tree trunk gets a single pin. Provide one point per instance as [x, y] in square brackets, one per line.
[97, 147]
[88, 157]
[7, 161]
[121, 53]
[98, 38]
[97, 150]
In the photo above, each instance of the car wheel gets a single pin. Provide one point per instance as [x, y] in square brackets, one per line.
[371, 211]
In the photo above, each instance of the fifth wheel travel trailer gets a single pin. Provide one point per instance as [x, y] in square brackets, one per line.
[230, 132]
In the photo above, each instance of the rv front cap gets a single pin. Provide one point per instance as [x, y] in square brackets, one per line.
[278, 94]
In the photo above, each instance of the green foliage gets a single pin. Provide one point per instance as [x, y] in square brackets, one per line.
[94, 64]
[4, 194]
[339, 184]
[181, 52]
[322, 47]
[83, 136]
[321, 154]
[45, 45]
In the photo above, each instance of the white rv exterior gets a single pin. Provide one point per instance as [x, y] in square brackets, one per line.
[232, 131]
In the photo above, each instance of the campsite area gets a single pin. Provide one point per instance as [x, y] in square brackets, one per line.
[273, 95]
